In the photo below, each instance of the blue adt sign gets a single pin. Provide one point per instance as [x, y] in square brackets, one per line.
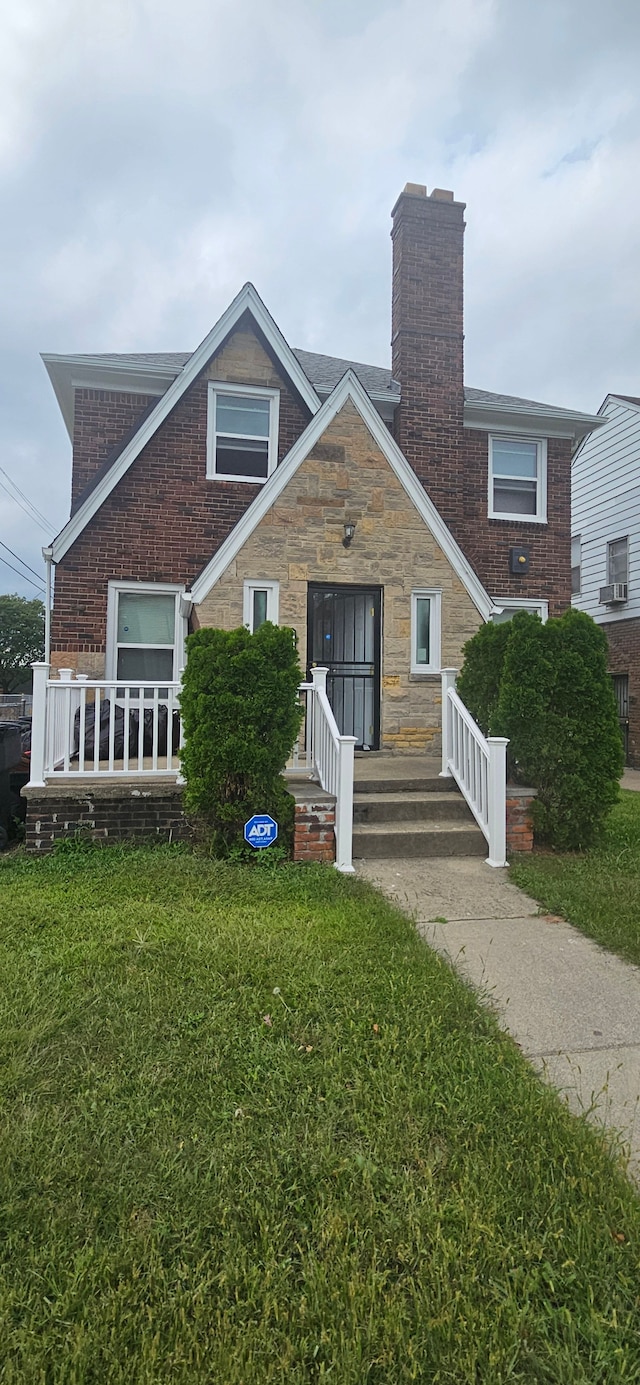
[260, 830]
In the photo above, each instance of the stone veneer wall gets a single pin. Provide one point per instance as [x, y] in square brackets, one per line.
[347, 478]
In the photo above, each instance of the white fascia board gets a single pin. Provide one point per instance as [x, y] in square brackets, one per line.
[68, 374]
[349, 388]
[246, 300]
[490, 417]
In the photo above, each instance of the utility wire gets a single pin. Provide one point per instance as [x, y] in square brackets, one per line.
[40, 523]
[21, 560]
[21, 574]
[38, 513]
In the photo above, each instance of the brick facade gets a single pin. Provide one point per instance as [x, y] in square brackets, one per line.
[164, 520]
[299, 540]
[623, 637]
[450, 460]
[103, 420]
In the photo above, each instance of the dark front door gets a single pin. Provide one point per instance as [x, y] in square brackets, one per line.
[344, 635]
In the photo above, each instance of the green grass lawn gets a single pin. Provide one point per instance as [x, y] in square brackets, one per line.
[253, 1130]
[599, 890]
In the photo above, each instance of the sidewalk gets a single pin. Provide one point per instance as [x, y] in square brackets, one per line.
[573, 1008]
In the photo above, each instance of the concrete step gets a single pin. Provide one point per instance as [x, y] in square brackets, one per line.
[399, 783]
[395, 839]
[409, 807]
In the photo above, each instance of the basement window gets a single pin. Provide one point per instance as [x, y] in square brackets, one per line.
[425, 631]
[242, 432]
[260, 603]
[518, 479]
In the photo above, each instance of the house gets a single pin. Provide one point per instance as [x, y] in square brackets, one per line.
[383, 513]
[605, 549]
[216, 487]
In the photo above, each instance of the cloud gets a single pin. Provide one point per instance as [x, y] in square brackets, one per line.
[153, 157]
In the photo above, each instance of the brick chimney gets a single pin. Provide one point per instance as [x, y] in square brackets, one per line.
[427, 339]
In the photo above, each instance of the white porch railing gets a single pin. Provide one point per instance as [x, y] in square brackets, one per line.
[83, 726]
[479, 766]
[328, 755]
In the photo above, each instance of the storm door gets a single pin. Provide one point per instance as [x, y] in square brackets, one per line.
[344, 635]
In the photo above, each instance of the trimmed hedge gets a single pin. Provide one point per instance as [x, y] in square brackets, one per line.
[556, 704]
[241, 714]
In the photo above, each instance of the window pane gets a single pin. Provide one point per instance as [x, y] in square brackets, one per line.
[242, 415]
[146, 619]
[423, 621]
[155, 664]
[515, 497]
[259, 609]
[242, 458]
[510, 611]
[514, 458]
[617, 561]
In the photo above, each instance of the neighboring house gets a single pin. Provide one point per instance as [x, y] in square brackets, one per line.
[605, 556]
[384, 514]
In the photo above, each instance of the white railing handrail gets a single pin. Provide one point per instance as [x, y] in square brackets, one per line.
[333, 756]
[478, 763]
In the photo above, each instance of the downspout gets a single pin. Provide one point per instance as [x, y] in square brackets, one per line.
[47, 554]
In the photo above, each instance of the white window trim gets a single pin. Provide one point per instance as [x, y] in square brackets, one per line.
[254, 391]
[435, 596]
[273, 601]
[624, 538]
[512, 603]
[138, 588]
[540, 516]
[576, 538]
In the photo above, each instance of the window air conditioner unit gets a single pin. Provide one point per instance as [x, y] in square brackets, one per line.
[616, 591]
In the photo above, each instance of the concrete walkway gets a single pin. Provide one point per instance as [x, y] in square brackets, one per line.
[573, 1008]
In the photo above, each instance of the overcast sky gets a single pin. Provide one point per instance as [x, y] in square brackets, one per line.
[154, 156]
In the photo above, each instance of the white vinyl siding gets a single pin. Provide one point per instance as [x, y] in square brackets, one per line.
[605, 496]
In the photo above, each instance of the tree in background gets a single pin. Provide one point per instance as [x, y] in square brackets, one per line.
[21, 639]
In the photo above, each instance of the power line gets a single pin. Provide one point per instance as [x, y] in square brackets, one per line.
[41, 524]
[21, 560]
[38, 513]
[21, 574]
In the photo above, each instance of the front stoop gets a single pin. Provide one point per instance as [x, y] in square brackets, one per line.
[409, 811]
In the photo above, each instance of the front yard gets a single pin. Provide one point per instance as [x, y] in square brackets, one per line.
[253, 1130]
[598, 890]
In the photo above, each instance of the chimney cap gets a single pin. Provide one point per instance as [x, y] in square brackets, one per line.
[442, 195]
[415, 189]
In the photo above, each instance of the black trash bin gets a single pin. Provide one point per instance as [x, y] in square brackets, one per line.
[10, 755]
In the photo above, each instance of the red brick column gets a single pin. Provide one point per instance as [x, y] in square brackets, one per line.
[519, 824]
[314, 827]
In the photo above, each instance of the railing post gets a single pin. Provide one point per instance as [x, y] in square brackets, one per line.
[344, 804]
[180, 779]
[38, 723]
[449, 676]
[497, 800]
[319, 678]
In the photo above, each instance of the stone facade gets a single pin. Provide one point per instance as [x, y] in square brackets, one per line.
[346, 478]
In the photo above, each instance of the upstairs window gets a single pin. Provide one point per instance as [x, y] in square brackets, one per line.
[242, 433]
[518, 479]
[576, 563]
[618, 561]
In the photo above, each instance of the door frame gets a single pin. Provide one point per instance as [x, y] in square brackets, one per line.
[355, 589]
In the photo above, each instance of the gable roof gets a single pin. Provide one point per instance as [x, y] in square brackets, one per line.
[248, 300]
[349, 388]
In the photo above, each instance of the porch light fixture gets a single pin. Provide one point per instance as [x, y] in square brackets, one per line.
[349, 531]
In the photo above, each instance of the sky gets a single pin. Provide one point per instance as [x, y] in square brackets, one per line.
[154, 156]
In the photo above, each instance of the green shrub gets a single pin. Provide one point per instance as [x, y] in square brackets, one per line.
[557, 707]
[479, 680]
[241, 716]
